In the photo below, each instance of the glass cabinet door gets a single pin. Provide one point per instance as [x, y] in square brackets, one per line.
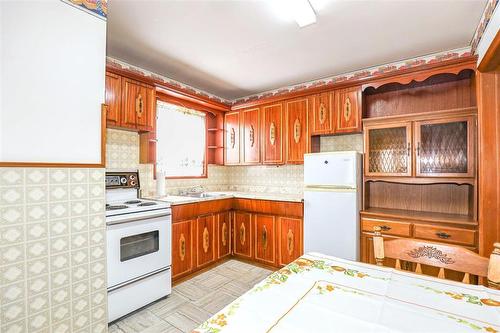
[444, 147]
[389, 149]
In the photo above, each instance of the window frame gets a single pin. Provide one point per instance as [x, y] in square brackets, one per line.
[167, 99]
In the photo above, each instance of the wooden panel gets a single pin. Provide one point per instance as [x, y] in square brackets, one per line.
[251, 136]
[272, 134]
[290, 240]
[297, 134]
[182, 247]
[191, 210]
[448, 92]
[113, 98]
[445, 234]
[348, 110]
[146, 114]
[322, 119]
[134, 96]
[205, 240]
[232, 138]
[223, 234]
[265, 238]
[284, 208]
[388, 227]
[242, 231]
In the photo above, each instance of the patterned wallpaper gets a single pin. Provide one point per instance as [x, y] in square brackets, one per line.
[52, 250]
[342, 142]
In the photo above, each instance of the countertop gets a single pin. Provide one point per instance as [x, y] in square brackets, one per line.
[180, 200]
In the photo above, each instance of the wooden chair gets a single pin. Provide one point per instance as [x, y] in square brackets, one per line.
[439, 255]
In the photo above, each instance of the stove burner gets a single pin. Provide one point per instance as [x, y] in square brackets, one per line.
[133, 202]
[115, 207]
[147, 204]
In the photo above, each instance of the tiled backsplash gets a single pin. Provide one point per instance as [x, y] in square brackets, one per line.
[123, 153]
[52, 250]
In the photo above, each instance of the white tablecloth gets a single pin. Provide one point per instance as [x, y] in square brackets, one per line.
[318, 293]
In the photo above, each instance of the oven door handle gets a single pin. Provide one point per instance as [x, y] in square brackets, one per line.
[135, 218]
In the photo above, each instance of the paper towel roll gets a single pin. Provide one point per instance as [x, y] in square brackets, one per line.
[160, 184]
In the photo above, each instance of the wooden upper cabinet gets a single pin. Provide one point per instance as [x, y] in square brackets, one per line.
[223, 234]
[297, 134]
[272, 134]
[113, 99]
[205, 240]
[445, 147]
[265, 238]
[289, 240]
[138, 103]
[232, 138]
[322, 120]
[242, 231]
[251, 136]
[182, 247]
[348, 110]
[388, 149]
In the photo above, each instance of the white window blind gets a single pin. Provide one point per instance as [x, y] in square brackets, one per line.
[180, 149]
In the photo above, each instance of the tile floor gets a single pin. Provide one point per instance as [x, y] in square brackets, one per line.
[193, 301]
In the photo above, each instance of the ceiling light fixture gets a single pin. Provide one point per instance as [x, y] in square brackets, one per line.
[301, 11]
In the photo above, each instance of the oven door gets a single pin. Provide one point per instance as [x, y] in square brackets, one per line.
[137, 248]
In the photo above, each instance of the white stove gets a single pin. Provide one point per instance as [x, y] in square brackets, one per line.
[138, 246]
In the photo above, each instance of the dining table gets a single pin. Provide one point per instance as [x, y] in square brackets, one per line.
[321, 293]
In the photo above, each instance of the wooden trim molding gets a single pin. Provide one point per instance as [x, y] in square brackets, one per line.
[104, 108]
[491, 59]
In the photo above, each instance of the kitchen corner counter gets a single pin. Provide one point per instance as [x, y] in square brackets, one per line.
[180, 200]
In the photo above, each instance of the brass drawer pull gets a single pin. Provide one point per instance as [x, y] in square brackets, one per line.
[443, 235]
[385, 228]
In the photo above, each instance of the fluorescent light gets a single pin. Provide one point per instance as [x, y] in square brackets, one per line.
[300, 11]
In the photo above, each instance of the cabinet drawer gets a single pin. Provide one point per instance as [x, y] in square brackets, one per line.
[388, 227]
[445, 234]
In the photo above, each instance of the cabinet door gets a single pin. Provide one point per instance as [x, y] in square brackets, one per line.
[297, 134]
[182, 247]
[445, 147]
[290, 240]
[113, 98]
[232, 138]
[388, 150]
[272, 134]
[146, 109]
[132, 99]
[251, 135]
[205, 240]
[265, 238]
[223, 234]
[322, 116]
[242, 231]
[348, 110]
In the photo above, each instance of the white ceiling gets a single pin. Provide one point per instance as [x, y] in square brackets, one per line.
[237, 48]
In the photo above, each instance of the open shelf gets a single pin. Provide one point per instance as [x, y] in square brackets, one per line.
[215, 138]
[420, 216]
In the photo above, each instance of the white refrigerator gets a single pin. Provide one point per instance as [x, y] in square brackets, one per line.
[332, 201]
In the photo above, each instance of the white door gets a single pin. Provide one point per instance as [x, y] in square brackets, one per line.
[331, 169]
[331, 223]
[137, 248]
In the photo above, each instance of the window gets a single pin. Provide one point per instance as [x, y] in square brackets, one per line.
[181, 135]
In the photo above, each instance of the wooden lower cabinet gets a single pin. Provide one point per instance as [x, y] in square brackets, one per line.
[205, 240]
[223, 234]
[242, 232]
[265, 238]
[182, 247]
[289, 239]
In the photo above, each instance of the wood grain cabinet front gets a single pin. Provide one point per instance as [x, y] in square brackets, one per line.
[223, 234]
[272, 134]
[242, 231]
[138, 103]
[205, 240]
[182, 247]
[232, 138]
[251, 136]
[289, 239]
[322, 122]
[265, 238]
[348, 110]
[297, 133]
[113, 99]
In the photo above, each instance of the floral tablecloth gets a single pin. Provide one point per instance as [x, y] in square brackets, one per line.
[319, 293]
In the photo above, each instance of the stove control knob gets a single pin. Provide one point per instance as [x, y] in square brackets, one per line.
[132, 183]
[132, 177]
[123, 180]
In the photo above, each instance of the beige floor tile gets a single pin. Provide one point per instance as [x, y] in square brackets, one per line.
[214, 281]
[162, 328]
[182, 322]
[235, 288]
[168, 305]
[192, 290]
[194, 312]
[136, 322]
[215, 301]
